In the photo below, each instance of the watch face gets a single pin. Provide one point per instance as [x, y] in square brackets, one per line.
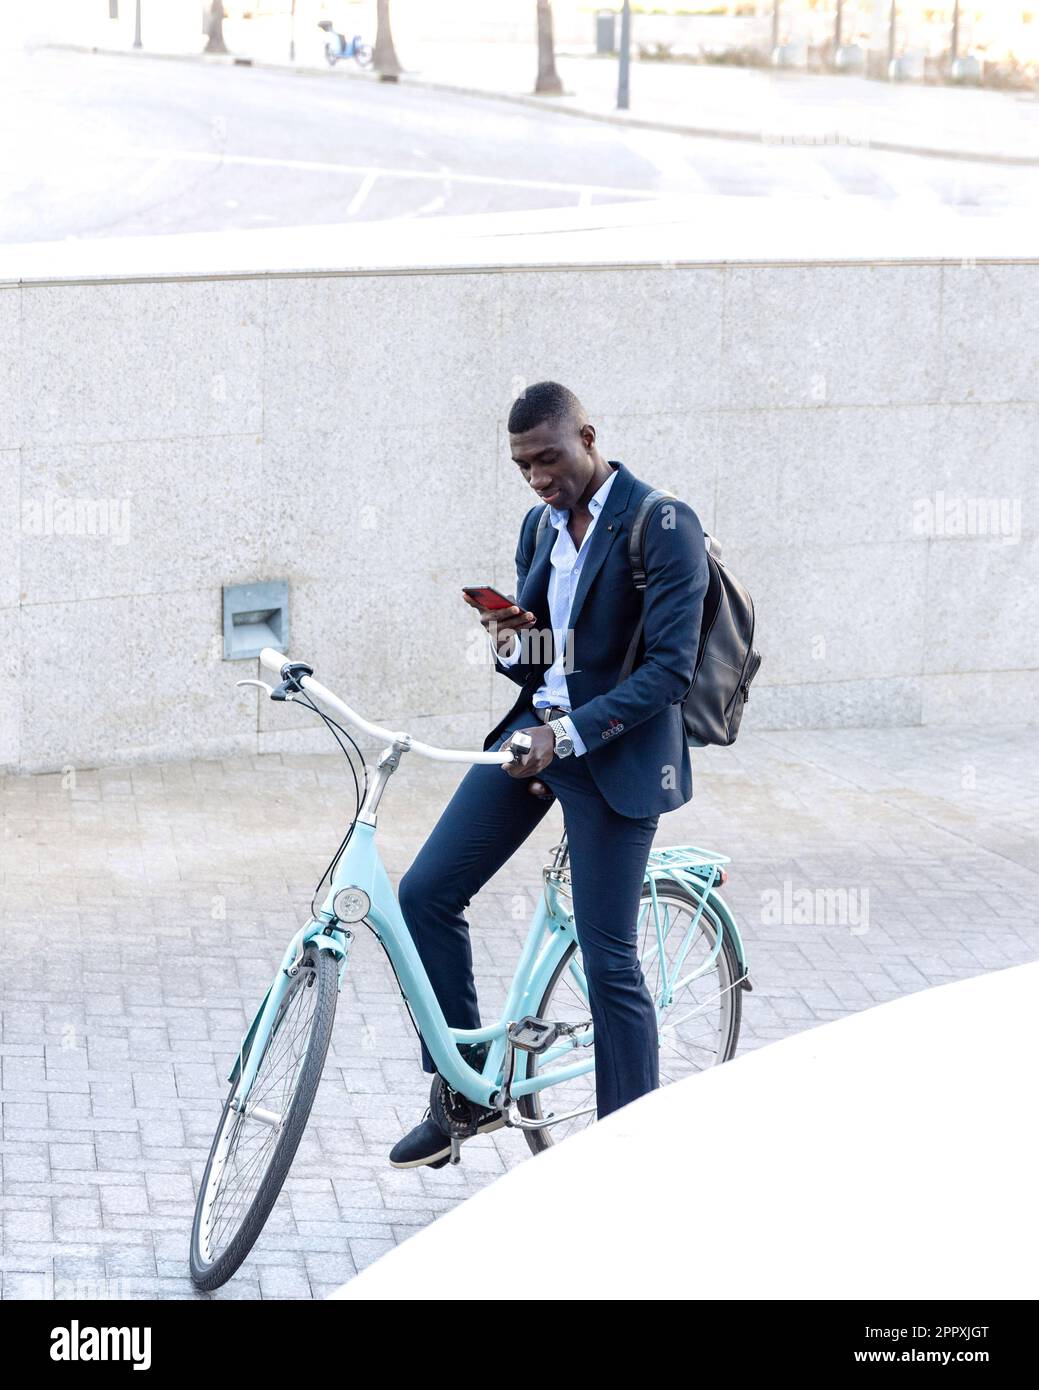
[564, 743]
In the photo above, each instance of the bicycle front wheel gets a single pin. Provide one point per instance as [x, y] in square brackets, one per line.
[363, 53]
[692, 972]
[253, 1149]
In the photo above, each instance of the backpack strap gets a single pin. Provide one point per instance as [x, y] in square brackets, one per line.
[637, 560]
[539, 531]
[637, 535]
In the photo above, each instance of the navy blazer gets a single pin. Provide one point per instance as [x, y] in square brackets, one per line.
[637, 752]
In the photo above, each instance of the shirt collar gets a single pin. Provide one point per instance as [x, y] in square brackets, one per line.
[558, 518]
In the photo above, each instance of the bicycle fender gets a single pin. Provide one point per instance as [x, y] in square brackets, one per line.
[328, 943]
[720, 908]
[247, 1041]
[323, 943]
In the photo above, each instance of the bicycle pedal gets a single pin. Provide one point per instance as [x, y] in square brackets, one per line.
[456, 1149]
[532, 1034]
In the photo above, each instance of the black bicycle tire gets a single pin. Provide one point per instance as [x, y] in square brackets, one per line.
[539, 1140]
[207, 1277]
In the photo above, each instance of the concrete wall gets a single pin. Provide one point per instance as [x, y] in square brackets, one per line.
[346, 431]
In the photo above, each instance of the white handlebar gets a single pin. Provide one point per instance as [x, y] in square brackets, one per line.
[275, 661]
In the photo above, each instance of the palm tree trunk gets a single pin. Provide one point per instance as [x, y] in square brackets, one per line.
[386, 62]
[213, 27]
[548, 83]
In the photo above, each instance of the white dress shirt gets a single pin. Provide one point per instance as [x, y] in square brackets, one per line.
[567, 563]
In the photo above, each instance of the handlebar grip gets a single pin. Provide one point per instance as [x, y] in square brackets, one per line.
[273, 660]
[518, 744]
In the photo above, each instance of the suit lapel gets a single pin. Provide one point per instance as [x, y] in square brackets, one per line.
[608, 526]
[534, 595]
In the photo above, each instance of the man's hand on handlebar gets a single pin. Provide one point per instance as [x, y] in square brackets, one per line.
[542, 751]
[501, 623]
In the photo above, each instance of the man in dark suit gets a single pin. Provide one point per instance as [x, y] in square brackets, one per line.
[615, 755]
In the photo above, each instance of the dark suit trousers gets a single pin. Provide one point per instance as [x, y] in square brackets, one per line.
[487, 819]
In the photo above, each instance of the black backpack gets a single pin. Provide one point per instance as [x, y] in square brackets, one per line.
[726, 661]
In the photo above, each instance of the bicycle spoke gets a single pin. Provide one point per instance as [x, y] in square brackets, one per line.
[688, 977]
[244, 1155]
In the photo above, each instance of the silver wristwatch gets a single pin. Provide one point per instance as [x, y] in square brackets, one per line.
[564, 743]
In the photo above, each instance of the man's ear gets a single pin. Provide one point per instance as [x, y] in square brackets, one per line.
[588, 437]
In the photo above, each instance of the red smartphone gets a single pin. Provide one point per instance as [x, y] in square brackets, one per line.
[487, 597]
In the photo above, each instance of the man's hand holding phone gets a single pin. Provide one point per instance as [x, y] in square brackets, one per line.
[500, 615]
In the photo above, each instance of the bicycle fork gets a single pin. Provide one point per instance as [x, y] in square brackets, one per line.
[323, 936]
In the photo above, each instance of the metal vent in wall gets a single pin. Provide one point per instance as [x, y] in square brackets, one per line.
[255, 616]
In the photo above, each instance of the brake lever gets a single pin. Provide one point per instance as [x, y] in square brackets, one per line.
[262, 685]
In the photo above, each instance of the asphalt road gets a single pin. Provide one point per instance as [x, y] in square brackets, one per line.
[98, 146]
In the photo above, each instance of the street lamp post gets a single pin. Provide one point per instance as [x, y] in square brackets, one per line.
[137, 26]
[624, 67]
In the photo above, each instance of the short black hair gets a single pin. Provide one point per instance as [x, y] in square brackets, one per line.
[545, 400]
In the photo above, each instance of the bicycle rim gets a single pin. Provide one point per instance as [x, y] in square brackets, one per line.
[253, 1150]
[692, 984]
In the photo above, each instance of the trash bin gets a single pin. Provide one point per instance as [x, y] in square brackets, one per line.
[605, 31]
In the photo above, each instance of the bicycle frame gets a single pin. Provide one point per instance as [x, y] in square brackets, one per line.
[360, 867]
[551, 932]
[361, 876]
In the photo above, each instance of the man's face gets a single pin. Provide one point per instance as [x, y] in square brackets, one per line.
[555, 458]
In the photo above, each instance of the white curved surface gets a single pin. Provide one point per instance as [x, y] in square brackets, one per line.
[889, 1154]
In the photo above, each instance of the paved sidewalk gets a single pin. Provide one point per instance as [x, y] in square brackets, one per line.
[763, 105]
[144, 910]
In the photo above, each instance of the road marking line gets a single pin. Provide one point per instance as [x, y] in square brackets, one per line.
[317, 166]
[357, 201]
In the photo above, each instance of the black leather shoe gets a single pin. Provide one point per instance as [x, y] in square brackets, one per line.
[428, 1144]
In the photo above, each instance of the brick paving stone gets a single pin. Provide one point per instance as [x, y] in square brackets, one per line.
[173, 891]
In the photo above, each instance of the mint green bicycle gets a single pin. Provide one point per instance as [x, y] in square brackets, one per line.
[537, 1061]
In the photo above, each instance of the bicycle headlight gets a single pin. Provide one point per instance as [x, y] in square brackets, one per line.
[351, 904]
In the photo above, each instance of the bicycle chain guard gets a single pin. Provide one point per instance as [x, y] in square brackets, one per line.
[453, 1113]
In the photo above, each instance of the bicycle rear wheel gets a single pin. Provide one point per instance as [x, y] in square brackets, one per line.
[698, 999]
[252, 1151]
